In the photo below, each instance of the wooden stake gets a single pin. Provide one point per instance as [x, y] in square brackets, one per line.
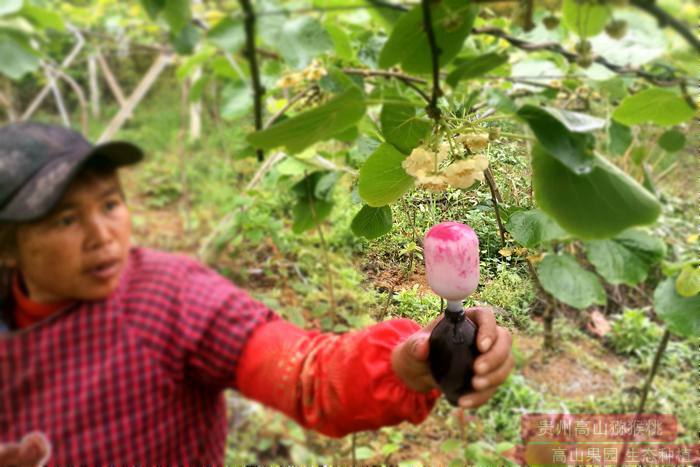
[111, 80]
[66, 62]
[57, 96]
[94, 86]
[159, 64]
[81, 99]
[195, 110]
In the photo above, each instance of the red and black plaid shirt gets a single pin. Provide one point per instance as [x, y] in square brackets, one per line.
[136, 378]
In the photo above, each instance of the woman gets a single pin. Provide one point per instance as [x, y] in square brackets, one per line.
[120, 354]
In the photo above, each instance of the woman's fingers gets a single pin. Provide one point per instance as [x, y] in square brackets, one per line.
[494, 378]
[496, 355]
[486, 333]
[475, 399]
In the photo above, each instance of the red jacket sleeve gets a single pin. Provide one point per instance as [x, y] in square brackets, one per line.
[332, 383]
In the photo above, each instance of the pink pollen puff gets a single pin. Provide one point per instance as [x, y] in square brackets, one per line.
[451, 231]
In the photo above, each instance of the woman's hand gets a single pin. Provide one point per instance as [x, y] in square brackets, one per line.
[33, 451]
[410, 358]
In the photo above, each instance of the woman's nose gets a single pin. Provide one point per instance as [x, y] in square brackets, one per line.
[97, 232]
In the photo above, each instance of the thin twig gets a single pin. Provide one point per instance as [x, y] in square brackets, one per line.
[432, 109]
[645, 391]
[654, 367]
[324, 247]
[664, 19]
[288, 105]
[317, 9]
[406, 79]
[251, 54]
[494, 199]
[384, 73]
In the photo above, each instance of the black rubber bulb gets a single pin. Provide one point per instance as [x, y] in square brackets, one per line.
[452, 354]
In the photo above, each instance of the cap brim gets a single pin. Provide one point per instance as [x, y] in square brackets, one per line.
[41, 194]
[118, 153]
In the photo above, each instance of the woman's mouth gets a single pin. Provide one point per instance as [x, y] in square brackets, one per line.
[104, 271]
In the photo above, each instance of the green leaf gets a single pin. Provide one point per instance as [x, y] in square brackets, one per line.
[16, 59]
[472, 67]
[185, 41]
[620, 138]
[191, 63]
[363, 452]
[197, 88]
[559, 132]
[236, 100]
[532, 228]
[153, 7]
[336, 81]
[325, 184]
[672, 140]
[228, 34]
[177, 13]
[8, 7]
[568, 282]
[575, 121]
[585, 18]
[401, 127]
[653, 105]
[390, 448]
[408, 45]
[301, 131]
[303, 39]
[679, 313]
[450, 445]
[639, 154]
[688, 282]
[382, 178]
[309, 210]
[341, 41]
[596, 205]
[372, 222]
[671, 269]
[43, 18]
[626, 258]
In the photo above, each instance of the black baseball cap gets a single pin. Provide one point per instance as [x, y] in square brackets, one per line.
[39, 161]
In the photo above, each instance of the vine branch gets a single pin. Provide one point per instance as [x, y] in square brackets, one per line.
[665, 19]
[258, 90]
[432, 109]
[572, 57]
[408, 80]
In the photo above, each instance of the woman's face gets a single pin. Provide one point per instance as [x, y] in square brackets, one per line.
[80, 249]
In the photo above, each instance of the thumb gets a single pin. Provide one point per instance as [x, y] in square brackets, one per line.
[419, 345]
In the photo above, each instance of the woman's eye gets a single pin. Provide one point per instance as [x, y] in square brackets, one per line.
[65, 221]
[111, 204]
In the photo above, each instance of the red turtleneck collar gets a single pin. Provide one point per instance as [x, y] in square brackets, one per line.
[27, 311]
